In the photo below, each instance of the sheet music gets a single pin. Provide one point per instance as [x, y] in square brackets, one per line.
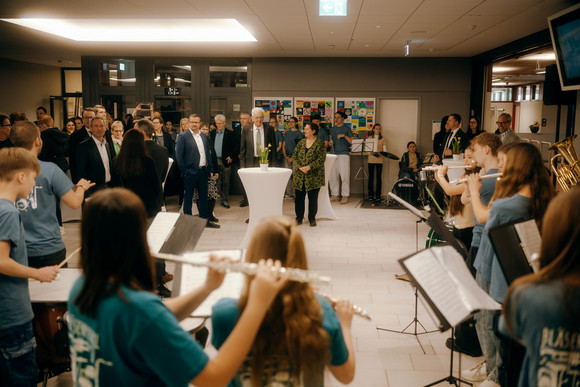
[193, 277]
[160, 229]
[530, 238]
[443, 275]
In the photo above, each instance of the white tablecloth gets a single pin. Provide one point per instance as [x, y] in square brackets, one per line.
[265, 191]
[325, 210]
[454, 174]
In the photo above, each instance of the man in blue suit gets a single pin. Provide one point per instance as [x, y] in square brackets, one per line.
[193, 157]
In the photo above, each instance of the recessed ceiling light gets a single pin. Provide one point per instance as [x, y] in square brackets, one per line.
[378, 26]
[141, 30]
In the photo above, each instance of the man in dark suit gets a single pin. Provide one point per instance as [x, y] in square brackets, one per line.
[227, 148]
[94, 157]
[193, 156]
[76, 138]
[453, 123]
[158, 153]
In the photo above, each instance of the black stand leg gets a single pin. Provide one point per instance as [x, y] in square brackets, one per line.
[450, 379]
[361, 171]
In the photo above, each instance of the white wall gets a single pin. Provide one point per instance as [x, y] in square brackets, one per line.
[530, 112]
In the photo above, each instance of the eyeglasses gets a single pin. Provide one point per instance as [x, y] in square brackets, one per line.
[502, 123]
[6, 125]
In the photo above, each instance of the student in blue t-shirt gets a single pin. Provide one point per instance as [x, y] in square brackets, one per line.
[301, 334]
[18, 169]
[120, 332]
[340, 141]
[542, 310]
[44, 243]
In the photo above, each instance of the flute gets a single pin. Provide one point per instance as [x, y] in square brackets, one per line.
[463, 180]
[298, 275]
[434, 168]
[357, 310]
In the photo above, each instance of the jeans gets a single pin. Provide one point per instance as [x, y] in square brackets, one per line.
[340, 172]
[378, 168]
[18, 356]
[299, 201]
[490, 343]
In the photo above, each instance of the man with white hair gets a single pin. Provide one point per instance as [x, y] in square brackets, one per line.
[227, 148]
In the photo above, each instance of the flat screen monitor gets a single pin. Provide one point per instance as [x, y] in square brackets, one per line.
[565, 32]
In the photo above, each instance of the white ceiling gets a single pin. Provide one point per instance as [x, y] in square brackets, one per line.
[288, 28]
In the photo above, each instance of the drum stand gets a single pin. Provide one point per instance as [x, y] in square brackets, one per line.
[415, 320]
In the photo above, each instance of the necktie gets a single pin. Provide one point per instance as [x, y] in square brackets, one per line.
[258, 140]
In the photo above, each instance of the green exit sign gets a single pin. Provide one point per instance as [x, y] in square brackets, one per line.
[332, 8]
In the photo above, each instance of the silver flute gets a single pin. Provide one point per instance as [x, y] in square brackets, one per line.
[298, 275]
[434, 168]
[464, 179]
[357, 310]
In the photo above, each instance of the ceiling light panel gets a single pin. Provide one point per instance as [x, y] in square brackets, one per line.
[141, 30]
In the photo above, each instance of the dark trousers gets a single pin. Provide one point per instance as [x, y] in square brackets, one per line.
[299, 201]
[48, 260]
[378, 170]
[191, 182]
[224, 179]
[464, 235]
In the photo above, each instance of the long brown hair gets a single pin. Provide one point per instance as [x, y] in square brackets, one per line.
[455, 205]
[524, 165]
[292, 329]
[560, 251]
[131, 158]
[114, 248]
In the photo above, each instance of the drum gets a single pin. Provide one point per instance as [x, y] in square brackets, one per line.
[433, 239]
[427, 176]
[407, 190]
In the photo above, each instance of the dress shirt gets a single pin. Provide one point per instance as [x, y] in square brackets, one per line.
[219, 143]
[262, 142]
[102, 147]
[200, 148]
[448, 143]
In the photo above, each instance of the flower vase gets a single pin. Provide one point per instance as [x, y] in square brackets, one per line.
[457, 156]
[264, 167]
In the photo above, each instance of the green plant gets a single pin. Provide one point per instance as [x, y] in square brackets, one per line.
[456, 145]
[535, 127]
[263, 154]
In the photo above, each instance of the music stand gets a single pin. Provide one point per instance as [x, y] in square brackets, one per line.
[421, 218]
[360, 148]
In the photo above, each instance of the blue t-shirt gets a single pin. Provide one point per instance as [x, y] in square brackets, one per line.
[38, 211]
[131, 342]
[341, 145]
[225, 315]
[291, 138]
[502, 211]
[323, 134]
[15, 308]
[539, 314]
[485, 195]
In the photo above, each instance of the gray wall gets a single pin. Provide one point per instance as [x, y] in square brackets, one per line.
[25, 86]
[442, 85]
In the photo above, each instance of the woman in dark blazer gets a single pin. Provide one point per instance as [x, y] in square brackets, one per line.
[308, 164]
[162, 137]
[135, 170]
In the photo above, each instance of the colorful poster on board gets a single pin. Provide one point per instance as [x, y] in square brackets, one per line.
[360, 113]
[307, 107]
[280, 107]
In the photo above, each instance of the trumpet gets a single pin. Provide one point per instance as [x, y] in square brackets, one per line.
[463, 180]
[357, 310]
[298, 275]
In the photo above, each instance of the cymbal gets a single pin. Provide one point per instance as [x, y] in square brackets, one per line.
[389, 155]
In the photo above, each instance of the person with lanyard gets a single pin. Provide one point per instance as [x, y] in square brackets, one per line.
[340, 141]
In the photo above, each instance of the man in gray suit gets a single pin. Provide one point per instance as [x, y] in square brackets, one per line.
[252, 136]
[504, 124]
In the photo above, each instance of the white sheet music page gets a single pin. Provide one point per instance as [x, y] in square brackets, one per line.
[530, 238]
[160, 229]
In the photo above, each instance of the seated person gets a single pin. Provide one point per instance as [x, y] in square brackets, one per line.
[410, 162]
[301, 333]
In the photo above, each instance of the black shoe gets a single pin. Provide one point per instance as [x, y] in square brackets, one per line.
[312, 223]
[244, 203]
[163, 291]
[225, 204]
[248, 220]
[210, 224]
[213, 219]
[298, 222]
[473, 352]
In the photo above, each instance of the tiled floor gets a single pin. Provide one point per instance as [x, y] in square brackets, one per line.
[359, 251]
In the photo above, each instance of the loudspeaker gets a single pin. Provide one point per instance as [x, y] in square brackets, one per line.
[553, 94]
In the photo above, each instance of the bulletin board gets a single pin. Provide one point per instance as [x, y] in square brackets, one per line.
[360, 113]
[306, 107]
[282, 107]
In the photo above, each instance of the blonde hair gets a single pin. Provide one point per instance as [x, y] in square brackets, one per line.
[14, 160]
[292, 331]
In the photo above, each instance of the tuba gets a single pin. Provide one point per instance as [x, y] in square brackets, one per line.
[567, 173]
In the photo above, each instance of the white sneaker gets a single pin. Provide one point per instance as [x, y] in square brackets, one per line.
[476, 374]
[488, 383]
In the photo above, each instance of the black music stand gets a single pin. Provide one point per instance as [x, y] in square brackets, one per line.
[421, 218]
[361, 171]
[451, 379]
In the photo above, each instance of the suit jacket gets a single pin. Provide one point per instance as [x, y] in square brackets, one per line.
[75, 139]
[230, 146]
[463, 142]
[169, 144]
[54, 148]
[90, 165]
[509, 136]
[160, 157]
[187, 155]
[247, 145]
